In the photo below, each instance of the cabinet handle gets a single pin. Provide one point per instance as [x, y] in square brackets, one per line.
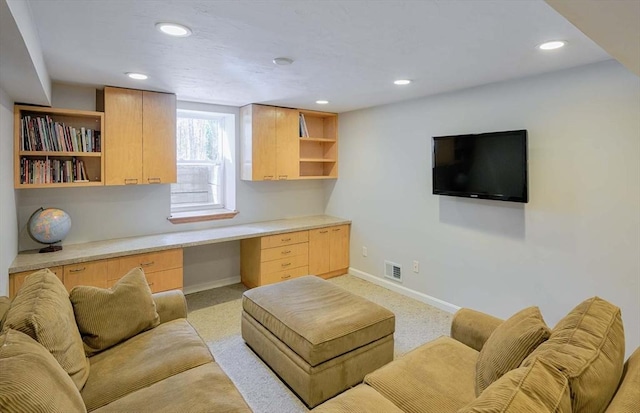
[284, 277]
[150, 284]
[146, 264]
[284, 177]
[268, 177]
[154, 180]
[286, 252]
[78, 269]
[130, 181]
[285, 239]
[336, 229]
[286, 264]
[324, 232]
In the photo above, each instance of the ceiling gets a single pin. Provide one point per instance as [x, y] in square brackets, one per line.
[348, 52]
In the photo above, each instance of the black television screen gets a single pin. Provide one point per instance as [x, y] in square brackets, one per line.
[487, 165]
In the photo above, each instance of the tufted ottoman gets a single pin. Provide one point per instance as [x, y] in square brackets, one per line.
[319, 338]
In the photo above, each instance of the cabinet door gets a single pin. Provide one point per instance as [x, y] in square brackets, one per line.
[158, 138]
[16, 280]
[339, 256]
[263, 153]
[319, 250]
[122, 136]
[287, 143]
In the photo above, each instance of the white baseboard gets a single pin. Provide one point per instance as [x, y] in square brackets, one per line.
[213, 284]
[390, 285]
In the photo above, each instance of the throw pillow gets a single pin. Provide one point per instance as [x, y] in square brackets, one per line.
[538, 388]
[31, 380]
[41, 309]
[509, 344]
[587, 345]
[109, 316]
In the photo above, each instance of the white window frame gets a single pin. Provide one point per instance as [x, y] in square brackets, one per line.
[226, 209]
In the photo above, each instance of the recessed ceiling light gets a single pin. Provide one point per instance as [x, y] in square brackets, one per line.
[322, 102]
[402, 82]
[282, 61]
[174, 29]
[556, 44]
[136, 76]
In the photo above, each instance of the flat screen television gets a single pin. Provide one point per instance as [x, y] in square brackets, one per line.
[486, 165]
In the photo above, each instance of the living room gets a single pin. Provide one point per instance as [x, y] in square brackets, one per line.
[577, 237]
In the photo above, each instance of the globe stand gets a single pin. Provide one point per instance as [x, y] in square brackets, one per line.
[51, 248]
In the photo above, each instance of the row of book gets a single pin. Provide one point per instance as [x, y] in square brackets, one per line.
[43, 134]
[52, 171]
[304, 132]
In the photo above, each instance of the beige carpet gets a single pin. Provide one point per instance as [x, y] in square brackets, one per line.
[216, 315]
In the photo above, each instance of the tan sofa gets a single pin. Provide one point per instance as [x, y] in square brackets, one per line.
[167, 368]
[442, 376]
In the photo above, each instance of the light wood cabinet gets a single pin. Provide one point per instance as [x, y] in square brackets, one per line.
[329, 250]
[270, 259]
[319, 150]
[269, 143]
[140, 130]
[163, 270]
[57, 147]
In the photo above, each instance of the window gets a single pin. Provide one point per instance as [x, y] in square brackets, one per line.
[205, 166]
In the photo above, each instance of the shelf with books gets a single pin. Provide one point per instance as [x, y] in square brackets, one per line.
[57, 147]
[318, 145]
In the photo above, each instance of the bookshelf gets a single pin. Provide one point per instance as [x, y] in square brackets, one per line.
[319, 145]
[57, 147]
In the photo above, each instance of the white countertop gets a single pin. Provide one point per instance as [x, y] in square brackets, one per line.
[96, 250]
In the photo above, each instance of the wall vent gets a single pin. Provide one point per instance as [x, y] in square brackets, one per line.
[393, 271]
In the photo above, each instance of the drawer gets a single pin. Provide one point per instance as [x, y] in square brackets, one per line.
[284, 264]
[284, 239]
[278, 276]
[286, 251]
[16, 280]
[150, 262]
[165, 280]
[93, 273]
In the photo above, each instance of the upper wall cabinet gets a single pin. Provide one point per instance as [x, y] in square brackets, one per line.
[283, 144]
[57, 147]
[140, 131]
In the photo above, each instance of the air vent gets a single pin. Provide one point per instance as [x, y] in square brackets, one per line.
[393, 271]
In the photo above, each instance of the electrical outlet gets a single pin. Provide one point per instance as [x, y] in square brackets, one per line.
[416, 267]
[364, 251]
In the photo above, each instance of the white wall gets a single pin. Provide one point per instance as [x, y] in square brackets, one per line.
[578, 236]
[99, 213]
[8, 225]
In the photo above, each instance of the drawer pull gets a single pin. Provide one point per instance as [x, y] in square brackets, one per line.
[78, 269]
[324, 232]
[285, 239]
[283, 176]
[154, 180]
[146, 264]
[150, 284]
[336, 229]
[268, 177]
[130, 181]
[286, 252]
[286, 264]
[284, 277]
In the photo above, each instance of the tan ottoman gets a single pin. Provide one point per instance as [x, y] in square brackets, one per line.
[319, 338]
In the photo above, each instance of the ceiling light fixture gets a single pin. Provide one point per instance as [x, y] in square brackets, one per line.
[282, 61]
[174, 29]
[136, 76]
[322, 102]
[402, 82]
[556, 44]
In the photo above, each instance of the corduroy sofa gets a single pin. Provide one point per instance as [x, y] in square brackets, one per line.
[515, 366]
[47, 335]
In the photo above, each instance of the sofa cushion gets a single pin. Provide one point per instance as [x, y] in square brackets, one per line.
[439, 375]
[108, 316]
[202, 389]
[360, 399]
[316, 319]
[31, 380]
[509, 344]
[41, 309]
[143, 360]
[587, 345]
[538, 388]
[627, 398]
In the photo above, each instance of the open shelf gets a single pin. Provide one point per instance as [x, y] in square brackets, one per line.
[319, 151]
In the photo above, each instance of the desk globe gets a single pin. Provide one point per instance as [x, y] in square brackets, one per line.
[49, 226]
